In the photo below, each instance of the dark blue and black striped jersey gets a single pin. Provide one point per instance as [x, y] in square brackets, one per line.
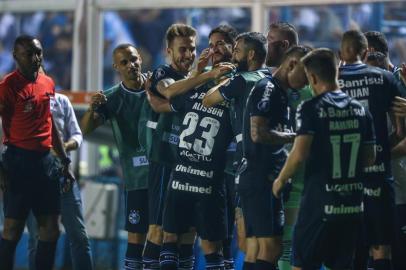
[204, 137]
[375, 89]
[340, 126]
[163, 129]
[267, 99]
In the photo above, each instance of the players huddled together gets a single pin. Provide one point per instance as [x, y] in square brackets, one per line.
[299, 150]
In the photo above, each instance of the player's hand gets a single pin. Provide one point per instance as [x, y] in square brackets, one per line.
[158, 104]
[68, 178]
[204, 59]
[97, 100]
[221, 69]
[399, 107]
[3, 179]
[277, 187]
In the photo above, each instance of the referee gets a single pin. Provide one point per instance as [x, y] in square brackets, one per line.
[29, 171]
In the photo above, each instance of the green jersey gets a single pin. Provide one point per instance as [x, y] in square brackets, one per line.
[124, 108]
[295, 97]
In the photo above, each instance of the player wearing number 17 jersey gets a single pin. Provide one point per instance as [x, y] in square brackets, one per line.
[376, 90]
[335, 137]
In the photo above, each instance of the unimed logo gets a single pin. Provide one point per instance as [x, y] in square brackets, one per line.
[191, 188]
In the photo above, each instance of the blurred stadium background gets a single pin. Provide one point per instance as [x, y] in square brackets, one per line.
[78, 37]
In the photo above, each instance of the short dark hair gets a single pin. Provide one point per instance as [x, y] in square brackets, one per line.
[179, 30]
[323, 63]
[379, 58]
[255, 41]
[297, 51]
[122, 47]
[356, 40]
[227, 31]
[22, 40]
[287, 30]
[377, 41]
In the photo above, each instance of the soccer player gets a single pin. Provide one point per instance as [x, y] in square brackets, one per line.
[249, 55]
[163, 132]
[71, 201]
[200, 150]
[335, 137]
[282, 36]
[398, 166]
[378, 43]
[264, 124]
[124, 105]
[376, 90]
[29, 171]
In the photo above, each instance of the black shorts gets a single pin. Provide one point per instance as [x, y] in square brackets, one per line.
[136, 205]
[33, 183]
[231, 202]
[329, 243]
[379, 212]
[263, 212]
[158, 180]
[205, 210]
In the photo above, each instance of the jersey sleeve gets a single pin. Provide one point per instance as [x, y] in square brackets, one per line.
[393, 88]
[158, 75]
[261, 99]
[368, 136]
[178, 103]
[233, 89]
[71, 123]
[305, 120]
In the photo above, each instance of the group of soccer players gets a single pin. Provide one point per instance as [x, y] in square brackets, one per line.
[207, 144]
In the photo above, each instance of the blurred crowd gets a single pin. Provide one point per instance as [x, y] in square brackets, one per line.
[55, 30]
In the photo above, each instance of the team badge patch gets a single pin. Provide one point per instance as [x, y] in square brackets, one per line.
[160, 73]
[134, 217]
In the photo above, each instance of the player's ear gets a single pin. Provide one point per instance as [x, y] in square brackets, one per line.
[364, 54]
[114, 66]
[285, 44]
[168, 51]
[292, 63]
[251, 55]
[312, 78]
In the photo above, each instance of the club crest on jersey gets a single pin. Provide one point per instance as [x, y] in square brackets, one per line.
[159, 73]
[28, 106]
[134, 217]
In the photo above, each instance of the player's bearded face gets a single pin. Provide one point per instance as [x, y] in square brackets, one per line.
[222, 51]
[276, 49]
[240, 56]
[182, 53]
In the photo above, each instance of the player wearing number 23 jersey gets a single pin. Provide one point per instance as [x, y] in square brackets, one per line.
[197, 182]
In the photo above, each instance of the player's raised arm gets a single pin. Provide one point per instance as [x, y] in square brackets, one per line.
[91, 119]
[171, 88]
